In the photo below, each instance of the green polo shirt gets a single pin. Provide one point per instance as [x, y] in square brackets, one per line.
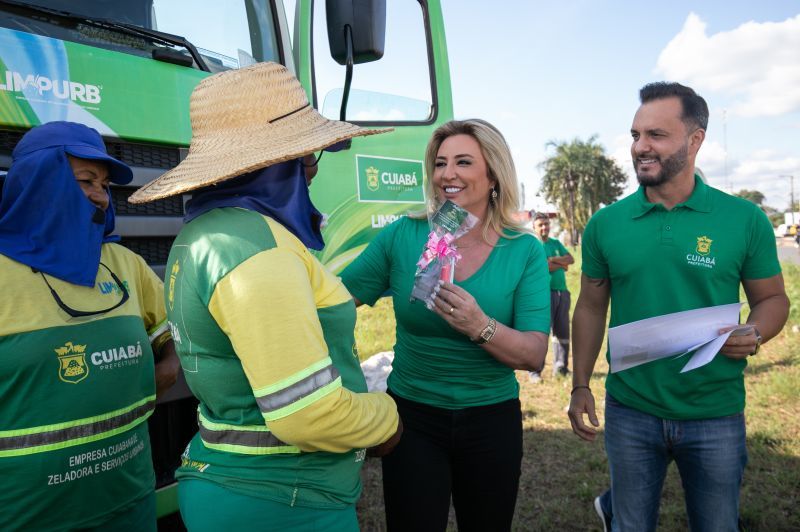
[554, 248]
[661, 261]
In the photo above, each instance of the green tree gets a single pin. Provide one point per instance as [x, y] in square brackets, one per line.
[752, 195]
[578, 178]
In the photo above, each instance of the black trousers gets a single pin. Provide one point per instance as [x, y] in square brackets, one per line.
[473, 454]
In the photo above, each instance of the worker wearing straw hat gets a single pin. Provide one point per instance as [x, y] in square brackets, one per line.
[264, 332]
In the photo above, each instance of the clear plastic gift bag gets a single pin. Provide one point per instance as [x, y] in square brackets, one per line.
[439, 257]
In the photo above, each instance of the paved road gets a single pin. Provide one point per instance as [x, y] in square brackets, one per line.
[788, 251]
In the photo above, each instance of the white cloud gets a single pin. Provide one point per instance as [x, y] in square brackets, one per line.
[711, 159]
[766, 172]
[758, 64]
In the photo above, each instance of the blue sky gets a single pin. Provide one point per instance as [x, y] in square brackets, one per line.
[556, 71]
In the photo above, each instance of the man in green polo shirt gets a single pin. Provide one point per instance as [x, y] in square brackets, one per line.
[558, 261]
[675, 244]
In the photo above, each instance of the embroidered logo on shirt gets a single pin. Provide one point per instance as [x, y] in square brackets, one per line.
[703, 250]
[703, 245]
[72, 366]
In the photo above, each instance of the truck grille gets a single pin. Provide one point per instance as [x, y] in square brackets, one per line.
[154, 249]
[134, 154]
[172, 206]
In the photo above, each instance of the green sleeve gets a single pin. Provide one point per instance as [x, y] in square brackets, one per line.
[562, 249]
[532, 296]
[594, 263]
[761, 260]
[367, 277]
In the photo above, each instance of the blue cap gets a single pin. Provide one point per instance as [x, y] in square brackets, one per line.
[77, 140]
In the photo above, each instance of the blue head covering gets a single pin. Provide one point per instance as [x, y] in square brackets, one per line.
[279, 191]
[46, 221]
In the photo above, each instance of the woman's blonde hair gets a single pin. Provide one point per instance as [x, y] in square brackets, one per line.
[499, 167]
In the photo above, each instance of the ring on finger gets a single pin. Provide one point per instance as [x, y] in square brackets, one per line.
[451, 310]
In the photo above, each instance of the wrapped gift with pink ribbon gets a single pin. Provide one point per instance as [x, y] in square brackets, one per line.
[439, 256]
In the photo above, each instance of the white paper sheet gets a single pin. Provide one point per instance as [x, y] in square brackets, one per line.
[675, 334]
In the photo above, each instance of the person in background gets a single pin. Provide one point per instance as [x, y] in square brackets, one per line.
[675, 244]
[264, 332]
[558, 262]
[453, 373]
[82, 323]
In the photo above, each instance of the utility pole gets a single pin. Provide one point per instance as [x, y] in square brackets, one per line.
[791, 194]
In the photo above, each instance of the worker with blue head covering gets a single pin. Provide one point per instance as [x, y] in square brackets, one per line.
[56, 207]
[80, 320]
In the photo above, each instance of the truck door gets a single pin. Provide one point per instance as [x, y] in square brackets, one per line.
[380, 178]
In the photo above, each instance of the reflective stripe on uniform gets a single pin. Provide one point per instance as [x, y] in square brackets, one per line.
[247, 439]
[299, 390]
[20, 442]
[158, 330]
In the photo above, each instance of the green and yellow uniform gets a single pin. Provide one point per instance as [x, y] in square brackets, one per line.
[433, 363]
[265, 337]
[75, 394]
[554, 248]
[689, 257]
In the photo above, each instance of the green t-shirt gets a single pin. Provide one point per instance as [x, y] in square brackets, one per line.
[659, 262]
[433, 363]
[265, 337]
[558, 278]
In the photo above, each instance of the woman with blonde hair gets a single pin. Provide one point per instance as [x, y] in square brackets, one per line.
[453, 374]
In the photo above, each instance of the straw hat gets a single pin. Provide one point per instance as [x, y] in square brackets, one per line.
[244, 120]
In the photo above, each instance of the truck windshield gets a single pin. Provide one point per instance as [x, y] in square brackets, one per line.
[227, 35]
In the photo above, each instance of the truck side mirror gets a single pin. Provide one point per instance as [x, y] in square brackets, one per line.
[356, 34]
[359, 25]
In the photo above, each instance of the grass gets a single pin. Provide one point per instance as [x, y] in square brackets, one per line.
[561, 474]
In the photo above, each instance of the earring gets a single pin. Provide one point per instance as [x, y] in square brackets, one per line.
[493, 196]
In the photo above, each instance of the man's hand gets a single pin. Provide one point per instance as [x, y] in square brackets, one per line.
[388, 446]
[739, 346]
[582, 402]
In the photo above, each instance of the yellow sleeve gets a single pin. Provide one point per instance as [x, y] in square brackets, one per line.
[150, 290]
[266, 307]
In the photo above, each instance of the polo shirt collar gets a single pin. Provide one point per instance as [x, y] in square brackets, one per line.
[699, 200]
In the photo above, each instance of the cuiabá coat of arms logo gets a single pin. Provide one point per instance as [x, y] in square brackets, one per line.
[72, 366]
[372, 178]
[703, 245]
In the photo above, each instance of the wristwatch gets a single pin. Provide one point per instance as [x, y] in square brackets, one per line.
[487, 333]
[758, 342]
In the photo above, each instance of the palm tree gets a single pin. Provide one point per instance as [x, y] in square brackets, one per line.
[578, 178]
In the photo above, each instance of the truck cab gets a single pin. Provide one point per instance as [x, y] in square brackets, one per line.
[127, 69]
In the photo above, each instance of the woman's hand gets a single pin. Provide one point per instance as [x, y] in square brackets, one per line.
[458, 308]
[516, 349]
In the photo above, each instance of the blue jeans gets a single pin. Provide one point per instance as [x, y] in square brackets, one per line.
[710, 455]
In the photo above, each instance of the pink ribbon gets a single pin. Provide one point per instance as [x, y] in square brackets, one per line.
[438, 247]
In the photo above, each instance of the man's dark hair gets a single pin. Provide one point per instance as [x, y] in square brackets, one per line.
[695, 108]
[540, 216]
